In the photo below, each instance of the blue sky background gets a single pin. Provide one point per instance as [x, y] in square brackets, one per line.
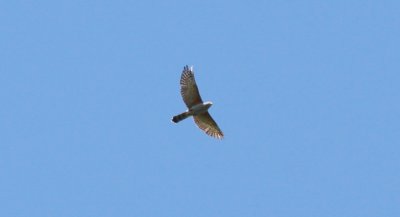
[307, 94]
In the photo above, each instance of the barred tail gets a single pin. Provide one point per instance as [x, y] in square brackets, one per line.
[180, 117]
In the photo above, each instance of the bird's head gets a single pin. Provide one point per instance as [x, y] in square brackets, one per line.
[208, 104]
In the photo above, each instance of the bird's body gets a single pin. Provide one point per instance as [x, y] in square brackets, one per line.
[194, 110]
[200, 108]
[196, 107]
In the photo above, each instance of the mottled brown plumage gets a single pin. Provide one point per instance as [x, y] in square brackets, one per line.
[196, 107]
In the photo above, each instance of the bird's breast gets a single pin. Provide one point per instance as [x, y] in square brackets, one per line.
[199, 108]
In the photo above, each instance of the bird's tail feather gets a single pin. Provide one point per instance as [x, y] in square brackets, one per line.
[180, 117]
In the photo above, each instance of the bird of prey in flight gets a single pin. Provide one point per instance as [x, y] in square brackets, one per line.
[196, 107]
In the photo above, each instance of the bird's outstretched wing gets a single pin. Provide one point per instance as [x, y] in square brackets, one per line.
[189, 91]
[207, 124]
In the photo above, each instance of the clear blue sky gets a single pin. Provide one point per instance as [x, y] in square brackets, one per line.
[307, 94]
